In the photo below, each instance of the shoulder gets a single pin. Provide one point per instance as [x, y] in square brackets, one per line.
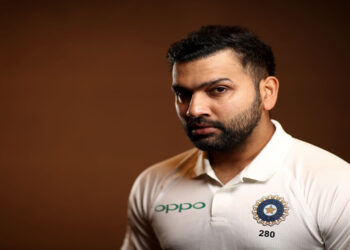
[318, 172]
[317, 160]
[322, 176]
[152, 179]
[170, 166]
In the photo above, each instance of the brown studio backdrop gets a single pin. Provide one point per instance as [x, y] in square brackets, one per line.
[86, 102]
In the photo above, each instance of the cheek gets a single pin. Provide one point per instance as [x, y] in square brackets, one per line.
[233, 105]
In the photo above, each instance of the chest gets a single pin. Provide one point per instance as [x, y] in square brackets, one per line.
[194, 215]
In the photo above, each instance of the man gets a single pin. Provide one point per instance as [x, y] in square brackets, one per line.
[248, 185]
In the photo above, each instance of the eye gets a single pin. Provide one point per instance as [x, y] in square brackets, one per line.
[218, 90]
[183, 96]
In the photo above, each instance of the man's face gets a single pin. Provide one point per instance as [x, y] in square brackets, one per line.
[216, 101]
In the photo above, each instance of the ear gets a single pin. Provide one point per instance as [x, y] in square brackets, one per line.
[269, 92]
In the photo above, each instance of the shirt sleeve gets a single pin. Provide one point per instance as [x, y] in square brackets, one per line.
[139, 233]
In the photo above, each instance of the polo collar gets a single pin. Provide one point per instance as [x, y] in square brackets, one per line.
[263, 166]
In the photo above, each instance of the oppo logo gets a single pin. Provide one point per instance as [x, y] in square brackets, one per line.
[179, 207]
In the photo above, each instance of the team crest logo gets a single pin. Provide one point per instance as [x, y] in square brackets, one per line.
[270, 210]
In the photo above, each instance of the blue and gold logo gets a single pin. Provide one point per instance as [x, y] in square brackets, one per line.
[270, 210]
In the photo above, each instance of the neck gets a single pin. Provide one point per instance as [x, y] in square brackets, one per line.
[230, 163]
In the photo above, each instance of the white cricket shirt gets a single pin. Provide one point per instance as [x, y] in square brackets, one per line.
[293, 195]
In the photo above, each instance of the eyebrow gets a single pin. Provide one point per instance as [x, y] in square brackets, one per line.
[176, 86]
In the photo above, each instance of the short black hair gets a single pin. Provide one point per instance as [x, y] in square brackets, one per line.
[254, 53]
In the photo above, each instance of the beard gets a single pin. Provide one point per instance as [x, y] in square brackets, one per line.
[234, 133]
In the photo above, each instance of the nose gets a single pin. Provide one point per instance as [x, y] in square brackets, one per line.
[198, 106]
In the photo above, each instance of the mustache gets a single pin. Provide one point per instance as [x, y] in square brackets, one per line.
[197, 122]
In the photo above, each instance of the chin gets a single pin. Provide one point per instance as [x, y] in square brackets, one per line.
[206, 144]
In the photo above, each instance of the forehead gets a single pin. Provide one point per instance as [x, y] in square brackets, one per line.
[222, 64]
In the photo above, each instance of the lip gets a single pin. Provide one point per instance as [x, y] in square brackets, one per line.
[202, 130]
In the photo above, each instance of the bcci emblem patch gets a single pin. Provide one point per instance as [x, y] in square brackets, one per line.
[270, 210]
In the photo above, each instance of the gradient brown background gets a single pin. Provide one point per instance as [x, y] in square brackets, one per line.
[86, 105]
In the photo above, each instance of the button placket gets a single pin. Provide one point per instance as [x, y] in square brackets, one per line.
[220, 202]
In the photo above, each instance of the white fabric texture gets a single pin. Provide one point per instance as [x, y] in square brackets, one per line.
[180, 203]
